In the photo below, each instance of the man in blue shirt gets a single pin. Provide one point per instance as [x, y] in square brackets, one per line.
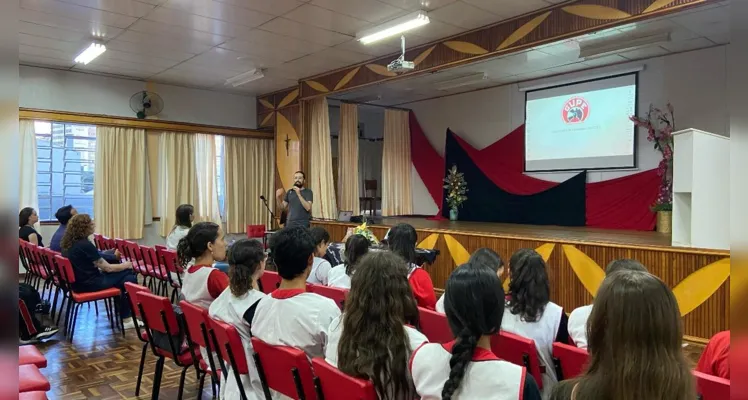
[63, 215]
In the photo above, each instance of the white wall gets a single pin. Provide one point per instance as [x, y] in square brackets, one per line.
[737, 88]
[694, 82]
[57, 90]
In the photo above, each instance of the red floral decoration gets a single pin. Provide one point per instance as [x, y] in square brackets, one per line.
[660, 126]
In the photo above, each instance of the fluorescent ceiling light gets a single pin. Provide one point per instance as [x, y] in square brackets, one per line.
[87, 55]
[462, 81]
[393, 27]
[600, 48]
[249, 76]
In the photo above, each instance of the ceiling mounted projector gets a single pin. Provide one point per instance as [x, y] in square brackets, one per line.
[399, 65]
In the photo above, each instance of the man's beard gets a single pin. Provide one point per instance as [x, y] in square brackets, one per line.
[298, 184]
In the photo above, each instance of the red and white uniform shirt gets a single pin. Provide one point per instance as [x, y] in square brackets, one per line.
[578, 325]
[422, 286]
[200, 286]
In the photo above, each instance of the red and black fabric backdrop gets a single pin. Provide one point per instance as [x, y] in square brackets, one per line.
[499, 191]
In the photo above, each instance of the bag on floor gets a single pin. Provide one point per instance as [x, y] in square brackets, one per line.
[161, 340]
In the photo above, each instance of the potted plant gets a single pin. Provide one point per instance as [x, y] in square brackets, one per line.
[456, 191]
[660, 126]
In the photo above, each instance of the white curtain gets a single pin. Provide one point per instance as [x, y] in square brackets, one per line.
[318, 130]
[397, 195]
[177, 176]
[207, 188]
[28, 196]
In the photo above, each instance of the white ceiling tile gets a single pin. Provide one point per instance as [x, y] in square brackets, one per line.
[153, 2]
[48, 43]
[413, 5]
[50, 32]
[262, 51]
[180, 77]
[164, 41]
[107, 70]
[132, 8]
[78, 12]
[310, 65]
[433, 30]
[230, 60]
[348, 57]
[368, 10]
[464, 15]
[190, 67]
[705, 20]
[177, 32]
[221, 11]
[375, 49]
[606, 60]
[91, 28]
[567, 68]
[509, 8]
[139, 58]
[108, 61]
[262, 38]
[277, 73]
[686, 45]
[259, 86]
[326, 19]
[44, 52]
[197, 22]
[305, 32]
[30, 59]
[720, 38]
[646, 52]
[274, 7]
[163, 50]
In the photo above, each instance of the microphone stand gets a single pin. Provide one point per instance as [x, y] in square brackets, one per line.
[267, 206]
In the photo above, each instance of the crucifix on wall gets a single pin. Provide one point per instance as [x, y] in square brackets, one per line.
[288, 141]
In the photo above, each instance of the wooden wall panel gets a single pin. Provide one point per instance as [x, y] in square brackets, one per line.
[287, 144]
[670, 264]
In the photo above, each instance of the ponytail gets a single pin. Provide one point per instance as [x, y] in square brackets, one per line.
[195, 243]
[462, 354]
[184, 252]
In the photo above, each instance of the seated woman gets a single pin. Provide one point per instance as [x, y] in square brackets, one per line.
[466, 368]
[26, 220]
[355, 248]
[92, 272]
[320, 266]
[634, 341]
[402, 241]
[184, 216]
[374, 338]
[530, 313]
[204, 243]
[236, 307]
[483, 257]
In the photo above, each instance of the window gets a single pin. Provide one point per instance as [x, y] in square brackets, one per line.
[65, 167]
[220, 182]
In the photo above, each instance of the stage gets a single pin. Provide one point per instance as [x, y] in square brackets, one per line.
[576, 258]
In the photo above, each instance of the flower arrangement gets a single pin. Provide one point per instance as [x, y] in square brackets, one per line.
[364, 231]
[456, 188]
[660, 126]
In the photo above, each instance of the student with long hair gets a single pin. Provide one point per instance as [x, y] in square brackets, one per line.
[483, 257]
[184, 215]
[320, 266]
[530, 313]
[27, 217]
[236, 306]
[356, 247]
[466, 368]
[205, 244]
[635, 335]
[402, 241]
[578, 318]
[374, 337]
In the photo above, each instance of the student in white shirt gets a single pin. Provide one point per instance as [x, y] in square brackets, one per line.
[374, 337]
[236, 306]
[355, 248]
[578, 318]
[320, 267]
[291, 316]
[465, 368]
[184, 216]
[530, 313]
[483, 257]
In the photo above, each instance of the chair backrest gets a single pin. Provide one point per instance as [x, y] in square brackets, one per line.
[132, 291]
[195, 317]
[66, 269]
[370, 184]
[110, 244]
[23, 256]
[134, 249]
[711, 387]
[157, 313]
[286, 369]
[570, 360]
[49, 258]
[228, 344]
[120, 245]
[336, 294]
[98, 242]
[336, 385]
[269, 281]
[435, 326]
[169, 259]
[518, 350]
[151, 258]
[255, 231]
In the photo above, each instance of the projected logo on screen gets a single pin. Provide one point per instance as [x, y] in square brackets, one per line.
[576, 110]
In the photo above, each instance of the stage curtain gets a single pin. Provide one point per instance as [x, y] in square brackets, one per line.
[27, 192]
[206, 208]
[249, 164]
[623, 203]
[320, 178]
[177, 177]
[397, 196]
[119, 182]
[428, 163]
[348, 177]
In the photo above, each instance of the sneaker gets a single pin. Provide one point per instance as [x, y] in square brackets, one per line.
[43, 334]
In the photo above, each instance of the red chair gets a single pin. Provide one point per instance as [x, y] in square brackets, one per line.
[25, 262]
[520, 351]
[336, 294]
[435, 326]
[98, 242]
[570, 361]
[30, 355]
[257, 232]
[173, 269]
[228, 345]
[119, 244]
[711, 387]
[197, 335]
[49, 257]
[110, 296]
[269, 281]
[31, 380]
[155, 270]
[159, 316]
[335, 385]
[138, 263]
[285, 370]
[132, 291]
[32, 396]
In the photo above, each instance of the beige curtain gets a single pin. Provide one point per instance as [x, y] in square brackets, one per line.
[320, 174]
[206, 208]
[249, 166]
[27, 195]
[397, 196]
[348, 179]
[119, 182]
[177, 176]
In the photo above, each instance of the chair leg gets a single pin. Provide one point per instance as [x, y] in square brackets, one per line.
[157, 378]
[96, 306]
[62, 307]
[68, 317]
[201, 385]
[213, 385]
[109, 314]
[140, 369]
[181, 382]
[53, 309]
